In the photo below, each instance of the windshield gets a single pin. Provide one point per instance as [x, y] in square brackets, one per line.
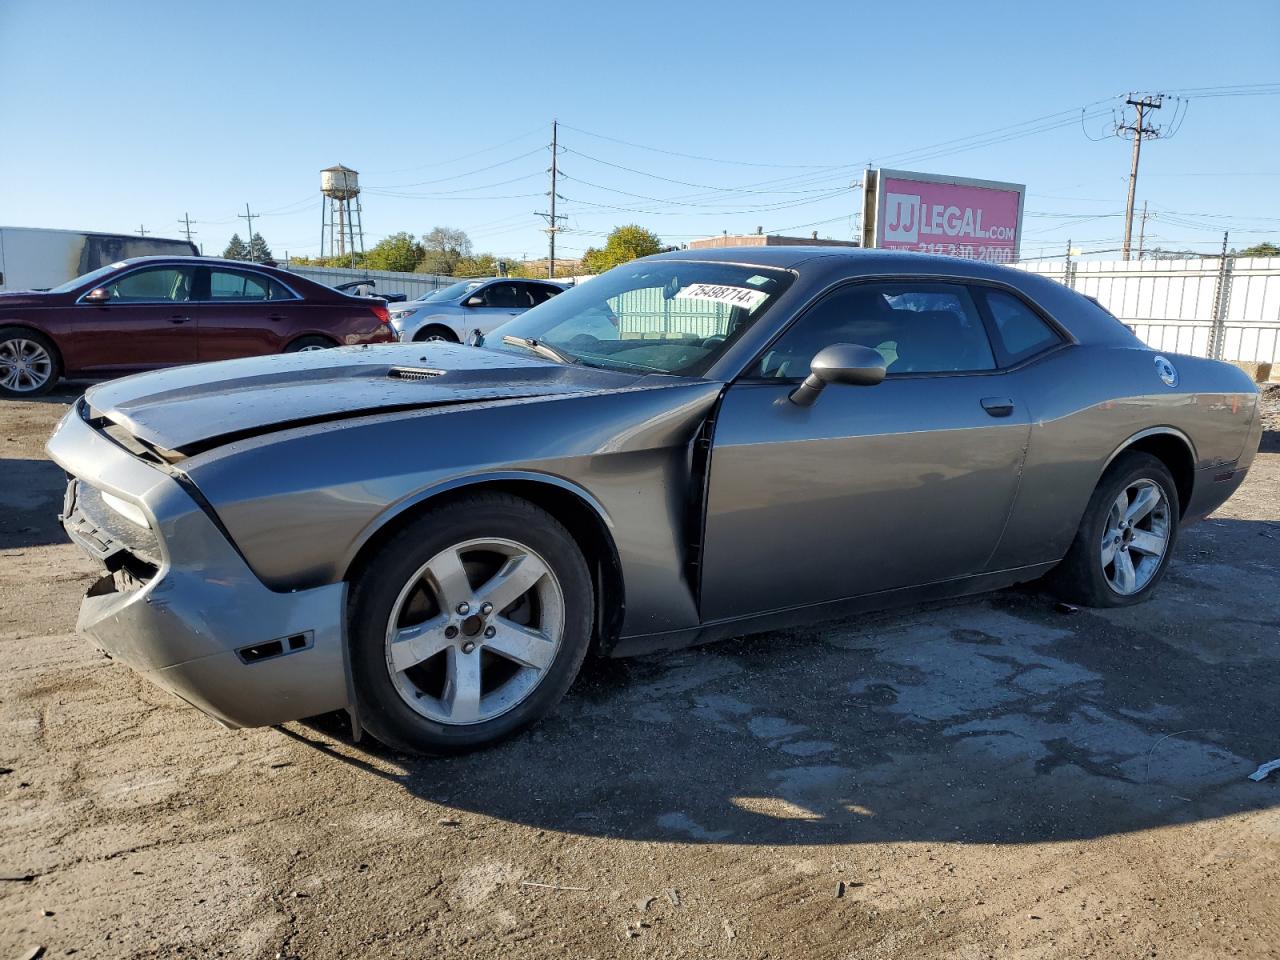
[89, 277]
[453, 291]
[669, 316]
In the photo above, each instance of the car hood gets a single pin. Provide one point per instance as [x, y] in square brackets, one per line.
[186, 410]
[24, 298]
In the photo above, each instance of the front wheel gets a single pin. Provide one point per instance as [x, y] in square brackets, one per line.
[29, 365]
[468, 625]
[1126, 536]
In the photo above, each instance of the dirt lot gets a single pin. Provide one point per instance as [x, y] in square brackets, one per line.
[993, 778]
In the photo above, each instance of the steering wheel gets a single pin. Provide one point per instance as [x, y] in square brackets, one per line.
[713, 341]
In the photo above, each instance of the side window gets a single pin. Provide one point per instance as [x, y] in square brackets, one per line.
[502, 295]
[233, 285]
[918, 327]
[1020, 332]
[280, 292]
[161, 285]
[541, 292]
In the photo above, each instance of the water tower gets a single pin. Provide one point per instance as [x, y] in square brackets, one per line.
[341, 233]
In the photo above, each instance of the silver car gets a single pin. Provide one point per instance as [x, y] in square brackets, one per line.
[455, 312]
[692, 446]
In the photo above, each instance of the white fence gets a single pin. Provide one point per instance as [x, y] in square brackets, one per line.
[1229, 309]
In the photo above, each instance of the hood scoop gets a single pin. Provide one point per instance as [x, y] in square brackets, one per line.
[414, 373]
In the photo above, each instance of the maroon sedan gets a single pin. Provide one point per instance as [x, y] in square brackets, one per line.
[160, 311]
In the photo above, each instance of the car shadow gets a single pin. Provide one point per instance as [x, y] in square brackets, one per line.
[30, 501]
[1007, 718]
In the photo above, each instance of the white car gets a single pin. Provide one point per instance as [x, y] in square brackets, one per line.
[454, 312]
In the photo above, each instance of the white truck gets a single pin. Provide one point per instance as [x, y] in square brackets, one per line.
[32, 258]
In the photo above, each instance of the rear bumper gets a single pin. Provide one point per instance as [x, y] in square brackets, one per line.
[197, 621]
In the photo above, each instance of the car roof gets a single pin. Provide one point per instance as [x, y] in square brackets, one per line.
[863, 259]
[1084, 320]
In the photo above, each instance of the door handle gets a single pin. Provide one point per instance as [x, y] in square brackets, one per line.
[275, 316]
[997, 406]
[178, 319]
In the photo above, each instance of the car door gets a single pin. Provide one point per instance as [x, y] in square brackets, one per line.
[871, 488]
[242, 313]
[147, 323]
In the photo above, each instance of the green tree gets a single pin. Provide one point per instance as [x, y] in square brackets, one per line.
[259, 252]
[623, 244]
[1258, 250]
[442, 248]
[400, 252]
[236, 249]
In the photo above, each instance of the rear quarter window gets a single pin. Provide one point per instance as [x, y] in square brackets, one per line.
[1020, 332]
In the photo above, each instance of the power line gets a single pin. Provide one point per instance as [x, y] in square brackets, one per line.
[186, 224]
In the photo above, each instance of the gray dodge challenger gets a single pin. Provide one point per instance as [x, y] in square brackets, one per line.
[691, 446]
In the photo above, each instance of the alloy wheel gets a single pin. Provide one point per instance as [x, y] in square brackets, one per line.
[474, 631]
[1136, 537]
[25, 366]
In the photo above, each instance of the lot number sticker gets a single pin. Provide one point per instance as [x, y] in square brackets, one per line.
[743, 297]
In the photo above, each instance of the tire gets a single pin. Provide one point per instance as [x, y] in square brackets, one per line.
[29, 363]
[435, 331]
[1085, 576]
[309, 343]
[412, 692]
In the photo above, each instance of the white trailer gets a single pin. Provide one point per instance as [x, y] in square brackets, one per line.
[32, 258]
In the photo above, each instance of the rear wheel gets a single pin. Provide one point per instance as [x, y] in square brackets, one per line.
[468, 625]
[303, 344]
[1126, 536]
[29, 364]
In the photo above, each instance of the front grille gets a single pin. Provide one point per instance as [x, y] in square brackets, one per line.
[109, 537]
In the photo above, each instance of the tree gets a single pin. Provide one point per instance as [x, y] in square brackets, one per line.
[400, 252]
[236, 249]
[1258, 250]
[442, 248]
[623, 244]
[259, 252]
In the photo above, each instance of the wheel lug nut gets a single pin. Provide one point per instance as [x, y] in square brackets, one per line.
[486, 608]
[450, 632]
[464, 608]
[468, 647]
[490, 632]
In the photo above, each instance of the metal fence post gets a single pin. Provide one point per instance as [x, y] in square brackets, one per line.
[1221, 301]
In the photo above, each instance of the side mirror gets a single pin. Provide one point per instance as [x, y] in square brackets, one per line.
[848, 363]
[476, 301]
[97, 295]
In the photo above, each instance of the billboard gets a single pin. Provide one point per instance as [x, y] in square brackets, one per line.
[955, 216]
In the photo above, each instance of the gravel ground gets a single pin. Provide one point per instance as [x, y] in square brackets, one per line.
[990, 778]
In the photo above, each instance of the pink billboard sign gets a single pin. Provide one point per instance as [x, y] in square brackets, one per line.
[974, 219]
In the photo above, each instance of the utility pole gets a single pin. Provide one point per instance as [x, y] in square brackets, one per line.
[1142, 230]
[142, 231]
[186, 226]
[1139, 131]
[248, 215]
[552, 225]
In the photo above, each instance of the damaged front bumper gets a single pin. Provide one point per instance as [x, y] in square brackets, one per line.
[180, 605]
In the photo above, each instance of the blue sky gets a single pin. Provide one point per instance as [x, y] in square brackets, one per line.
[131, 113]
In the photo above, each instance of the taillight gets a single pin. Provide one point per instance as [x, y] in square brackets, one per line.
[382, 313]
